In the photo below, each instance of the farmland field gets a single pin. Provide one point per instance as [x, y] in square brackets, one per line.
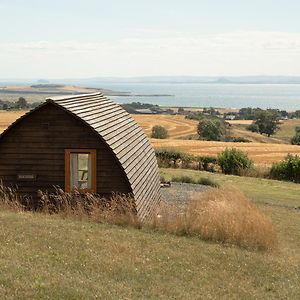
[177, 126]
[283, 135]
[6, 118]
[259, 152]
[265, 151]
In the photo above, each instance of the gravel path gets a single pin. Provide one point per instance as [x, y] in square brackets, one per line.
[181, 192]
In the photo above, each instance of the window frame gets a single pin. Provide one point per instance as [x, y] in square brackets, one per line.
[93, 153]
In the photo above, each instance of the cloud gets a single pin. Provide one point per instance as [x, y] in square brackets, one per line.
[158, 53]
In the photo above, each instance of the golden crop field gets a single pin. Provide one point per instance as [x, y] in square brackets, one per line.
[177, 126]
[7, 117]
[240, 122]
[261, 153]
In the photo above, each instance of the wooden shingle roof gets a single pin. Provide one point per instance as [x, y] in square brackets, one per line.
[127, 141]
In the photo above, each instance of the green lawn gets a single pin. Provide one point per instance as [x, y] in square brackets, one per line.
[51, 257]
[258, 189]
[287, 130]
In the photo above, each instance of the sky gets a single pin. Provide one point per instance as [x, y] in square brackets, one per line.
[90, 38]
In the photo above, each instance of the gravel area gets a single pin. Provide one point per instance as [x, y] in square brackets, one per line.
[181, 192]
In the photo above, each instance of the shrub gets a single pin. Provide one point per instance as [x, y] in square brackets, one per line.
[287, 169]
[206, 163]
[159, 132]
[296, 138]
[172, 158]
[201, 180]
[240, 140]
[222, 215]
[210, 130]
[253, 127]
[233, 161]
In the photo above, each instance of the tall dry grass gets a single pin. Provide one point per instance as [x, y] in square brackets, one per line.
[118, 209]
[223, 215]
[10, 199]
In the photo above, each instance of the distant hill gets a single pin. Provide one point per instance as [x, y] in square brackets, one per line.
[263, 79]
[98, 81]
[56, 89]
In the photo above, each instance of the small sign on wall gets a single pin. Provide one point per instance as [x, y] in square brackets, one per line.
[26, 177]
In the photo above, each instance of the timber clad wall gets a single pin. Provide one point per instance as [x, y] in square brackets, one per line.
[36, 145]
[126, 161]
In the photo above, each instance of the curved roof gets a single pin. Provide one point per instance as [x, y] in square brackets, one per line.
[125, 138]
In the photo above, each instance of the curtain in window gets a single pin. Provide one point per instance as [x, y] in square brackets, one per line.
[73, 170]
[80, 171]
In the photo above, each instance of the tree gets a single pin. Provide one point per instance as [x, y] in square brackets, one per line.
[296, 138]
[209, 130]
[267, 122]
[159, 132]
[21, 103]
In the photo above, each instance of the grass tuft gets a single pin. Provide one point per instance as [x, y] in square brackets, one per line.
[222, 215]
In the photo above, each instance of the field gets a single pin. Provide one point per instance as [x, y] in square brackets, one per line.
[6, 118]
[259, 152]
[30, 98]
[180, 128]
[177, 126]
[265, 151]
[283, 135]
[54, 257]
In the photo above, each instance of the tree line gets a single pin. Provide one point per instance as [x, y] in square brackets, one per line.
[21, 103]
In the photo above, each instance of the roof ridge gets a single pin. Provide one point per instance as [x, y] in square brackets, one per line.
[58, 98]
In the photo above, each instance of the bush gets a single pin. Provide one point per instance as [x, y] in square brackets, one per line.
[240, 140]
[210, 130]
[159, 132]
[253, 127]
[221, 215]
[233, 161]
[296, 138]
[172, 158]
[287, 169]
[201, 180]
[168, 157]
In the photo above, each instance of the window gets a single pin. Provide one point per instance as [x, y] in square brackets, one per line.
[80, 170]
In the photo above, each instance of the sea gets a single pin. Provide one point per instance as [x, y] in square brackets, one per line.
[281, 96]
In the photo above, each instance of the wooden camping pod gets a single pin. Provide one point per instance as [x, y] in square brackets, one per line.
[32, 149]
